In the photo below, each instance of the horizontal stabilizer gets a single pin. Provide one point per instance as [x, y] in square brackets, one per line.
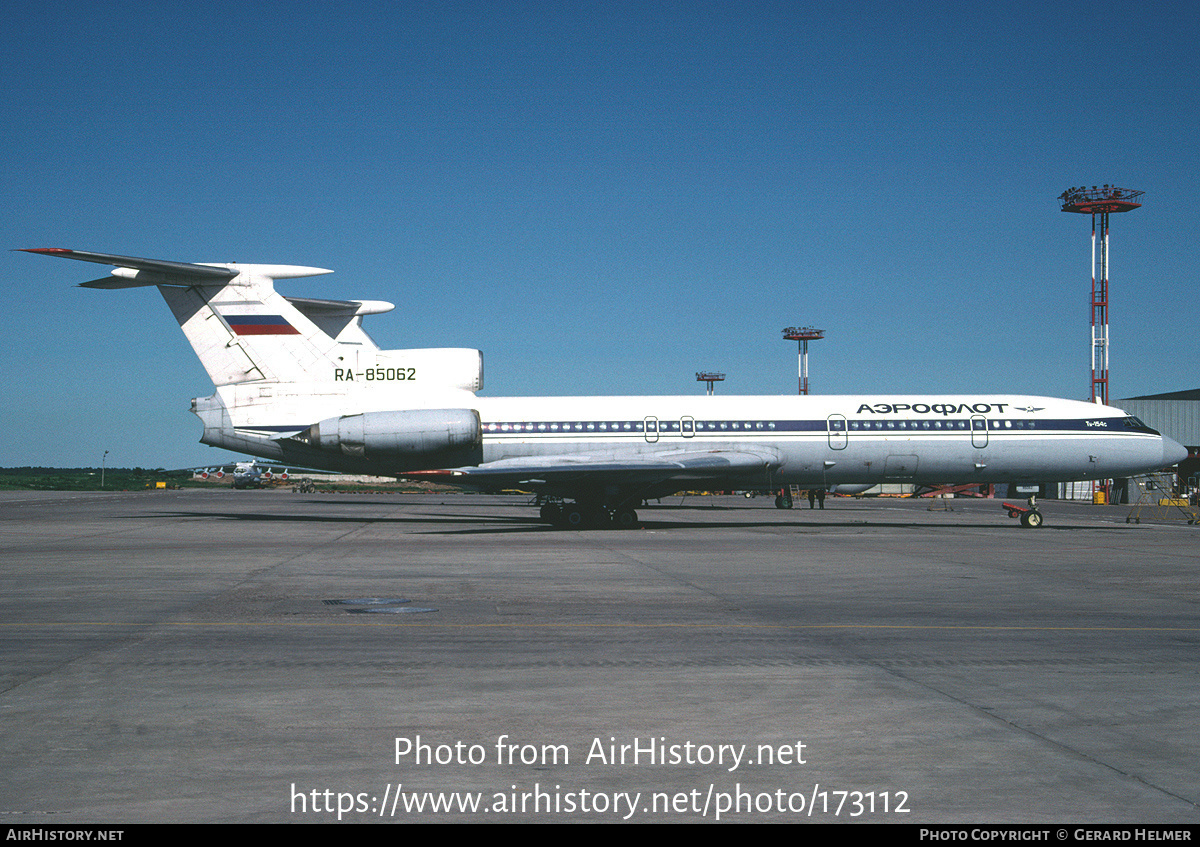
[134, 272]
[212, 272]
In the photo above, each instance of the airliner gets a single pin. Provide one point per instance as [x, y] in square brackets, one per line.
[300, 383]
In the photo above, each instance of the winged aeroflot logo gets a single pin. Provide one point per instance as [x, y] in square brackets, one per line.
[1030, 409]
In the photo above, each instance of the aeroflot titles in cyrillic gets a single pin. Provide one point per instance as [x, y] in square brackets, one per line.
[934, 408]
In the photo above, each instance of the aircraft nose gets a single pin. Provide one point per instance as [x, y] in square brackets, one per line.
[1173, 452]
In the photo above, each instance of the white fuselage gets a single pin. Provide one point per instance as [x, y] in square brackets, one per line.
[818, 440]
[840, 439]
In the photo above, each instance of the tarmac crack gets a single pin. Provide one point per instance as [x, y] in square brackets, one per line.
[1032, 733]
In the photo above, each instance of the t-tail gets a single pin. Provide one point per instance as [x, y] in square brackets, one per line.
[286, 367]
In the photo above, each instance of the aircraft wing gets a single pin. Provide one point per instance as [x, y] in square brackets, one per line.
[752, 465]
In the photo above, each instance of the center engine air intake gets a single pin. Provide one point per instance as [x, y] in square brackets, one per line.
[397, 435]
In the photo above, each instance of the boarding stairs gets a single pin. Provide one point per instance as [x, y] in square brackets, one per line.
[1159, 499]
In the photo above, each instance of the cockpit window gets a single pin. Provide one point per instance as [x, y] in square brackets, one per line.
[1136, 423]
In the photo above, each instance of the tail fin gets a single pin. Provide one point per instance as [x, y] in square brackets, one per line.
[239, 326]
[281, 364]
[245, 331]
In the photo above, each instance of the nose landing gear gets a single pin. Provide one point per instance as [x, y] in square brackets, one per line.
[1030, 517]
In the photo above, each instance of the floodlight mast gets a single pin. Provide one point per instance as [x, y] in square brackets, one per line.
[1100, 201]
[803, 334]
[710, 377]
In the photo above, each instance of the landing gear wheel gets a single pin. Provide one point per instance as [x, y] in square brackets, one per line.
[782, 502]
[574, 518]
[1031, 519]
[624, 519]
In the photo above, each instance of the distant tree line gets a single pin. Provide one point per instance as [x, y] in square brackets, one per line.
[85, 479]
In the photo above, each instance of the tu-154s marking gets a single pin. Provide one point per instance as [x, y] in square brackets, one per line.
[298, 382]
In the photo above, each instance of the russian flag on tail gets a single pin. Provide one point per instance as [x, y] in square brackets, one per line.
[260, 325]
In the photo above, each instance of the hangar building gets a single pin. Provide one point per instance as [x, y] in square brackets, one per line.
[1177, 414]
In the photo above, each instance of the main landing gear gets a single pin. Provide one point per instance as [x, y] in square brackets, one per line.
[586, 516]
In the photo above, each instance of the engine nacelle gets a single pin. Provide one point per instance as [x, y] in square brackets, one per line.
[399, 436]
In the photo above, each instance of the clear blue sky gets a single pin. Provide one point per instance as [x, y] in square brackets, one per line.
[603, 197]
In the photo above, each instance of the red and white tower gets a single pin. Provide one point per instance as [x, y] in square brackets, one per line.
[710, 377]
[1100, 202]
[803, 334]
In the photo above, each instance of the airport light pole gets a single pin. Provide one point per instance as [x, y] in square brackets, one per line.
[803, 334]
[103, 463]
[710, 377]
[1100, 202]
